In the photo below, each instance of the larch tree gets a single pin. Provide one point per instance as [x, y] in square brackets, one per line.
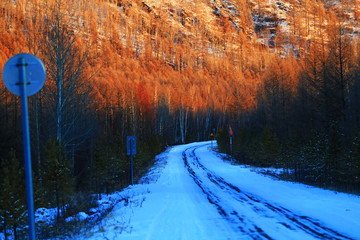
[313, 81]
[276, 93]
[339, 68]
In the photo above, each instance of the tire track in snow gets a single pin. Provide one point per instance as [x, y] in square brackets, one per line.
[293, 222]
[253, 231]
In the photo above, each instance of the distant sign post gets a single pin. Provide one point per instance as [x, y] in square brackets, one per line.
[131, 150]
[24, 75]
[231, 134]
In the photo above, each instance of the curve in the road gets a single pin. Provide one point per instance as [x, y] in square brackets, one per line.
[211, 185]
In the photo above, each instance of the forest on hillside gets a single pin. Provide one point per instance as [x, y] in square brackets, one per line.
[170, 73]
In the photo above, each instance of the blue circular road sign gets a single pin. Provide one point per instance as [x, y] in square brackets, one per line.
[24, 69]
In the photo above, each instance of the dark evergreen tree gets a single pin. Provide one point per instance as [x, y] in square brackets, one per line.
[12, 195]
[100, 171]
[269, 151]
[334, 156]
[222, 138]
[352, 168]
[56, 176]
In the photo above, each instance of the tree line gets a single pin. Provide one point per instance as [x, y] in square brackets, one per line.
[94, 96]
[307, 115]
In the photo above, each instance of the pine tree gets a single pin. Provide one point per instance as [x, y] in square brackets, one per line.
[56, 175]
[222, 139]
[353, 164]
[356, 159]
[100, 169]
[334, 156]
[269, 148]
[12, 194]
[314, 159]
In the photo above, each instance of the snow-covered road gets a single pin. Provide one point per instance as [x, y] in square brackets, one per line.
[194, 194]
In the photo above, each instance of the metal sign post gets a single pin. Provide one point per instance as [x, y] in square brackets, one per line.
[131, 150]
[231, 134]
[24, 75]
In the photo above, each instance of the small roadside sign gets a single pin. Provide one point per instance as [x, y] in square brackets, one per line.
[131, 150]
[26, 67]
[131, 145]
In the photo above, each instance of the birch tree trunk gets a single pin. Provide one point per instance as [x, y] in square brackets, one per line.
[67, 94]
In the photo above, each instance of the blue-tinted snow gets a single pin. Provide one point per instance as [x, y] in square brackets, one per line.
[213, 199]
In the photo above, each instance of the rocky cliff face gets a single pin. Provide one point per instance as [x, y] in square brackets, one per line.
[273, 24]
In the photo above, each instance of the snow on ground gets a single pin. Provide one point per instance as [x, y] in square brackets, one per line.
[193, 194]
[337, 211]
[166, 209]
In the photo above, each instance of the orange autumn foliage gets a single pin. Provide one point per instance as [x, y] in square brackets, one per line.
[219, 65]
